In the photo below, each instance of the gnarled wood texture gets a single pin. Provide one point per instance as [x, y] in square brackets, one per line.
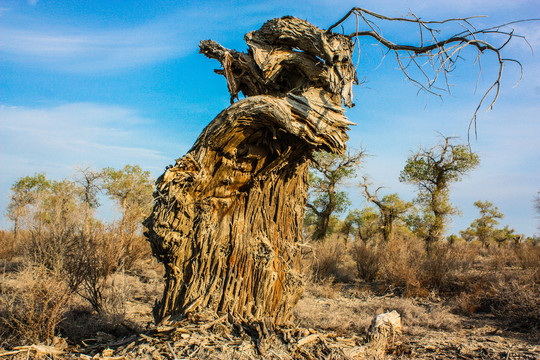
[227, 219]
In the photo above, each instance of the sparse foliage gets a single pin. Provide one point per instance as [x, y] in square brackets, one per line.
[432, 171]
[363, 224]
[24, 193]
[485, 227]
[131, 189]
[89, 187]
[391, 208]
[507, 234]
[329, 172]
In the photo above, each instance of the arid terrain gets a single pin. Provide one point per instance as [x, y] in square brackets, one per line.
[332, 321]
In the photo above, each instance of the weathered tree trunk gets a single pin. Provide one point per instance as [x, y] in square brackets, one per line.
[227, 220]
[323, 223]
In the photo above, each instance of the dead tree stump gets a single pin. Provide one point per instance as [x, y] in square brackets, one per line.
[227, 218]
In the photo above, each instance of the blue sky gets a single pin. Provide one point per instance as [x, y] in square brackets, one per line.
[109, 83]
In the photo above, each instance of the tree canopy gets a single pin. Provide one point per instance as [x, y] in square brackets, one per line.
[328, 174]
[131, 189]
[431, 171]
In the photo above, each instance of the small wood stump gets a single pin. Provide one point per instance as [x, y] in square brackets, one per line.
[383, 331]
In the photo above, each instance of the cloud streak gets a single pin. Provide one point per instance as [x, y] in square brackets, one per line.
[88, 50]
[106, 50]
[63, 136]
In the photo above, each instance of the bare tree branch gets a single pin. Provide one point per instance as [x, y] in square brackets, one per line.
[441, 55]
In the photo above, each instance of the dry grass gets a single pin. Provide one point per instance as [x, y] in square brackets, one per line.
[503, 281]
[330, 259]
[367, 259]
[62, 275]
[35, 303]
[8, 247]
[31, 312]
[346, 314]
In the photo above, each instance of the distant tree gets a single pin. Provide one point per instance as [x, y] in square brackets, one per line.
[485, 227]
[452, 239]
[364, 224]
[131, 189]
[25, 192]
[89, 187]
[432, 171]
[56, 226]
[391, 208]
[60, 209]
[467, 234]
[329, 171]
[507, 234]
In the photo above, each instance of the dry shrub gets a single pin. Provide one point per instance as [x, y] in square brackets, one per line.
[8, 247]
[402, 265]
[516, 301]
[405, 266]
[350, 314]
[513, 296]
[330, 259]
[87, 261]
[98, 257]
[528, 256]
[31, 313]
[133, 248]
[100, 260]
[498, 258]
[505, 283]
[367, 259]
[442, 266]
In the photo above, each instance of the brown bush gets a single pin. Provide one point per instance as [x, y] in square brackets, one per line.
[528, 256]
[31, 313]
[517, 302]
[133, 248]
[402, 265]
[442, 266]
[367, 259]
[498, 258]
[98, 259]
[512, 295]
[330, 259]
[87, 261]
[8, 247]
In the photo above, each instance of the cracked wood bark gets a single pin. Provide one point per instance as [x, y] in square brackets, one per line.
[227, 218]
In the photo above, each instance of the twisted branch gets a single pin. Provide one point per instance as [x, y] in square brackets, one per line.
[441, 55]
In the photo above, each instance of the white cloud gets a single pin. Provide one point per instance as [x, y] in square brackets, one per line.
[55, 139]
[91, 51]
[98, 49]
